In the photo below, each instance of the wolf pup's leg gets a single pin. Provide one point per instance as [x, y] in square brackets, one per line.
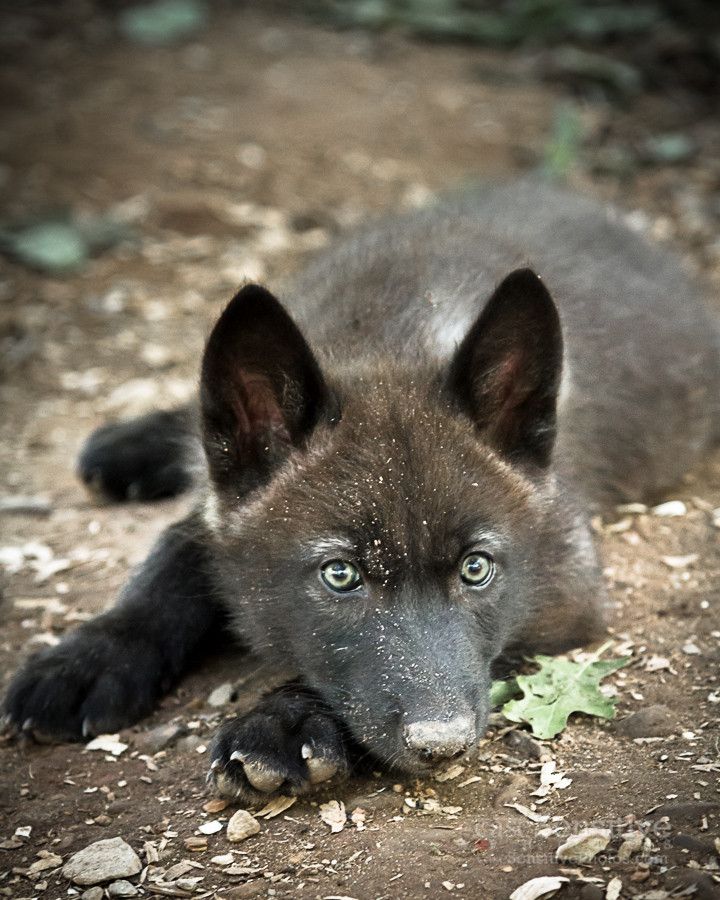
[112, 670]
[146, 458]
[288, 743]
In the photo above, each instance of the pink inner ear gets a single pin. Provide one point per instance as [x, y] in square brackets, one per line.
[256, 406]
[505, 385]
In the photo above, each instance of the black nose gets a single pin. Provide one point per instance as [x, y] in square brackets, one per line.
[436, 739]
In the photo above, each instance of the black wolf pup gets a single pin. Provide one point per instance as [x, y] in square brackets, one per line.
[397, 482]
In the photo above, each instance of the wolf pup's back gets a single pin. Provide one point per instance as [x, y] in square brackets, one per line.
[640, 397]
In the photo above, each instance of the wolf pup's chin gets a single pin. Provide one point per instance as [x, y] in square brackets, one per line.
[396, 467]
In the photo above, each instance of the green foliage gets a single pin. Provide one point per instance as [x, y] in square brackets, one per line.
[559, 688]
[163, 22]
[487, 22]
[563, 147]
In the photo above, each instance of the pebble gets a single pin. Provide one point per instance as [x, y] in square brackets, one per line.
[22, 505]
[523, 744]
[159, 738]
[189, 743]
[122, 889]
[222, 695]
[93, 893]
[670, 509]
[653, 721]
[102, 861]
[584, 846]
[241, 826]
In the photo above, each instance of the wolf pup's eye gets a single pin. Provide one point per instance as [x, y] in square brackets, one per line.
[341, 576]
[477, 569]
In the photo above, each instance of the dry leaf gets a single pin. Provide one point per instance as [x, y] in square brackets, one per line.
[215, 806]
[451, 773]
[108, 743]
[276, 806]
[539, 887]
[333, 814]
[528, 813]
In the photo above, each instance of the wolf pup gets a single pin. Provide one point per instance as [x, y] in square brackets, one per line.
[398, 477]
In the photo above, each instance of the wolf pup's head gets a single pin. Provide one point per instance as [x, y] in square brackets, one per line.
[386, 528]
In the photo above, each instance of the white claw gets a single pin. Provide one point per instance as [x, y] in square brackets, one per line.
[306, 751]
[27, 725]
[237, 756]
[87, 729]
[214, 764]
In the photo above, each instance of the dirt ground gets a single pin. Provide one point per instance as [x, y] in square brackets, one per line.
[234, 156]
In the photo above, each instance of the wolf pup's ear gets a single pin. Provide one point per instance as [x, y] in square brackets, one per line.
[506, 372]
[261, 391]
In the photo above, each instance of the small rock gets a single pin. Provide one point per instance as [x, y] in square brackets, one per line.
[215, 806]
[190, 743]
[670, 509]
[249, 889]
[653, 721]
[584, 846]
[22, 505]
[122, 889]
[241, 826]
[211, 827]
[102, 861]
[46, 861]
[523, 744]
[159, 738]
[196, 843]
[93, 893]
[632, 843]
[222, 695]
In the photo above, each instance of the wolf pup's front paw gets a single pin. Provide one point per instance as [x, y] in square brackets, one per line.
[140, 459]
[95, 681]
[285, 746]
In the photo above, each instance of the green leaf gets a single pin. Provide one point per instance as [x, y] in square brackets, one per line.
[559, 688]
[502, 691]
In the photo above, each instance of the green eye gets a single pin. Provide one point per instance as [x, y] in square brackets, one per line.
[477, 569]
[341, 576]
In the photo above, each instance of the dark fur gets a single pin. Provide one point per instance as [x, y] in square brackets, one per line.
[406, 415]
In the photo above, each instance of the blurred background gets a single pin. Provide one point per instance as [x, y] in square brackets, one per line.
[153, 156]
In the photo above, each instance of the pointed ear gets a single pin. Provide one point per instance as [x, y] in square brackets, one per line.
[506, 373]
[261, 391]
